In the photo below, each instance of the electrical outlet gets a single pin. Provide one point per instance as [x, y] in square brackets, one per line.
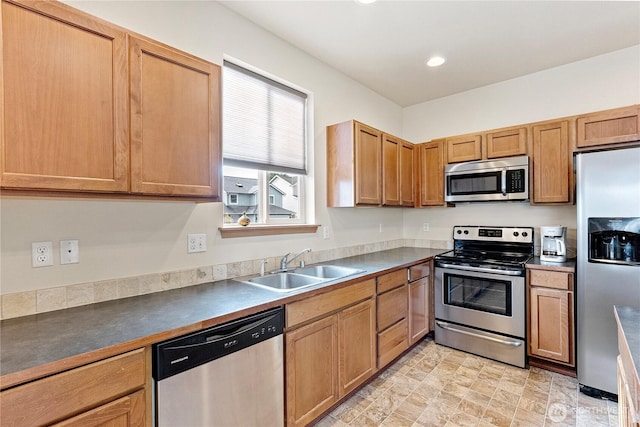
[325, 232]
[196, 243]
[69, 252]
[380, 227]
[425, 226]
[41, 254]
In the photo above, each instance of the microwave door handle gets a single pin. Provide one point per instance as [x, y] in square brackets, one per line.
[503, 186]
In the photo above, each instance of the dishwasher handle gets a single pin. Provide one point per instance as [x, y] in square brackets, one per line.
[183, 353]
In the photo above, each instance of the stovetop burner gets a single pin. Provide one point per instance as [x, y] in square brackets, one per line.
[498, 248]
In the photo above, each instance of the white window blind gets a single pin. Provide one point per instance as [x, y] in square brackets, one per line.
[264, 122]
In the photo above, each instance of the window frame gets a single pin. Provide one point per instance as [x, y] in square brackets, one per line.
[303, 222]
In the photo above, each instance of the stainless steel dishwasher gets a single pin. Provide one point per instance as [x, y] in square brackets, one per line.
[228, 375]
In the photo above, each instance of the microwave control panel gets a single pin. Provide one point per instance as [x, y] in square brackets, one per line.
[515, 181]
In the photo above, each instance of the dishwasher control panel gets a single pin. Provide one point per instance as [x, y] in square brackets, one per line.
[185, 352]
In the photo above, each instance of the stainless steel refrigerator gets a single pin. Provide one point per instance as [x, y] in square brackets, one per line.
[608, 262]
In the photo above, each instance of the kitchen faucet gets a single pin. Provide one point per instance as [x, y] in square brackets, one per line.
[285, 260]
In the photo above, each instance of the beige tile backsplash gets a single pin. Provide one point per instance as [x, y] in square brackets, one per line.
[58, 298]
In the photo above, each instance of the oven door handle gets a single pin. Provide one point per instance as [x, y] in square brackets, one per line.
[446, 326]
[480, 269]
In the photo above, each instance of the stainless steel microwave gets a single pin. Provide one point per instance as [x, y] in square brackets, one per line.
[490, 180]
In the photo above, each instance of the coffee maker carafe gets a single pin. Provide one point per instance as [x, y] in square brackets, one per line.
[553, 243]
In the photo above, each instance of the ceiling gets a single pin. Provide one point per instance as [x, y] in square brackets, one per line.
[384, 45]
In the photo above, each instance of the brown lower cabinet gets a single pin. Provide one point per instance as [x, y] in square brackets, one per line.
[330, 349]
[551, 315]
[420, 300]
[627, 378]
[110, 393]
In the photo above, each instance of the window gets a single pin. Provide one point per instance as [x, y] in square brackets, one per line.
[264, 148]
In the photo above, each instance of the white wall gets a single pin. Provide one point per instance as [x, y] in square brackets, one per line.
[128, 238]
[599, 83]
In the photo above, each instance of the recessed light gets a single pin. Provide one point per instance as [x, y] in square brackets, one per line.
[365, 1]
[435, 61]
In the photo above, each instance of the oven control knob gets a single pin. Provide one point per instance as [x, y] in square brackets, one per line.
[524, 234]
[515, 233]
[459, 231]
[466, 231]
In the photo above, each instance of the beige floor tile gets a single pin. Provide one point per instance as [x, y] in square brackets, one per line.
[413, 406]
[438, 386]
[396, 420]
[485, 386]
[494, 417]
[436, 414]
[462, 419]
[351, 409]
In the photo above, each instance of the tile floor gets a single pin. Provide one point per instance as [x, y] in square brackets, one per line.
[437, 386]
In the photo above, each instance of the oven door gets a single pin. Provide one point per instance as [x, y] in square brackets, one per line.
[489, 301]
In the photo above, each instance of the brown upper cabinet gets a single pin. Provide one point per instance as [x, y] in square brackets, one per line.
[431, 173]
[65, 105]
[366, 166]
[175, 127]
[552, 168]
[408, 181]
[506, 142]
[487, 145]
[354, 162]
[614, 126]
[84, 114]
[464, 148]
[391, 155]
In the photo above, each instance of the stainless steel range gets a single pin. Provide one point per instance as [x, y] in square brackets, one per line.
[480, 292]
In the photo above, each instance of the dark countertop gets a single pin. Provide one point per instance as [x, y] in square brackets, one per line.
[629, 321]
[35, 346]
[568, 266]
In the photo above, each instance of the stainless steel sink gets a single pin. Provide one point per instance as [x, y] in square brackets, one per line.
[328, 271]
[285, 282]
[302, 277]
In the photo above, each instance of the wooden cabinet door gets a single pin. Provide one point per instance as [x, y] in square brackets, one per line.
[551, 325]
[391, 152]
[392, 307]
[431, 172]
[368, 142]
[125, 412]
[552, 167]
[175, 122]
[64, 118]
[418, 309]
[408, 155]
[464, 148]
[311, 370]
[507, 142]
[357, 345]
[609, 127]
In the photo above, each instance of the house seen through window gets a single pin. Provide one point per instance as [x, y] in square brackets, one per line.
[264, 148]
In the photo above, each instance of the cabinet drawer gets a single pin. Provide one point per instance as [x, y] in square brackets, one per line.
[59, 396]
[550, 279]
[392, 280]
[419, 271]
[392, 342]
[310, 308]
[392, 306]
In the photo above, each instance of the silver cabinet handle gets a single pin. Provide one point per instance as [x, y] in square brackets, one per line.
[446, 326]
